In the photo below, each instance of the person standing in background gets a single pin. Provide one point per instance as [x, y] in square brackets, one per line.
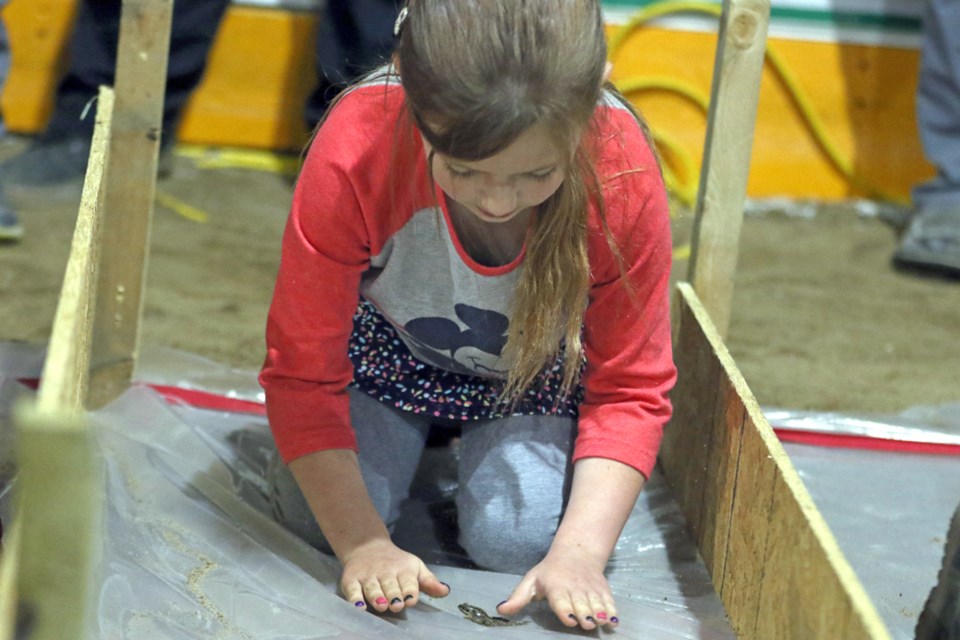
[10, 228]
[931, 242]
[353, 38]
[59, 154]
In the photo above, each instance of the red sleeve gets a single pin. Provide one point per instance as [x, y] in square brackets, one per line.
[326, 247]
[630, 368]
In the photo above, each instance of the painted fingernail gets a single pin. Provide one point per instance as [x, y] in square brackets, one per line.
[359, 603]
[602, 616]
[381, 600]
[571, 616]
[446, 585]
[614, 619]
[407, 597]
[590, 618]
[501, 602]
[396, 601]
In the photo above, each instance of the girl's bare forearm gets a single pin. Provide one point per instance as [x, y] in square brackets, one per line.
[602, 496]
[333, 487]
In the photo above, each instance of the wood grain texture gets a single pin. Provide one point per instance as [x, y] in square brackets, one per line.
[726, 156]
[128, 205]
[66, 368]
[9, 590]
[773, 560]
[59, 491]
[57, 487]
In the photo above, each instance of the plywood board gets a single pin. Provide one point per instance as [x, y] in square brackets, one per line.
[128, 206]
[66, 368]
[46, 571]
[773, 560]
[59, 490]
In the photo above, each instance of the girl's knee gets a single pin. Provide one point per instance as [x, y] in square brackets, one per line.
[502, 541]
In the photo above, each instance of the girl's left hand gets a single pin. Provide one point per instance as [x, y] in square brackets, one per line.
[577, 592]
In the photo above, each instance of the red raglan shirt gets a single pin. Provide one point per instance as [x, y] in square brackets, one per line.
[368, 232]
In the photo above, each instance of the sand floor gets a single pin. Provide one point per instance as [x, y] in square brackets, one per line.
[821, 320]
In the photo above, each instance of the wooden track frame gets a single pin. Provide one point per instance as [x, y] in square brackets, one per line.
[772, 558]
[48, 558]
[45, 575]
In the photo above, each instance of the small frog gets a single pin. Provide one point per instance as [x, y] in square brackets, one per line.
[479, 616]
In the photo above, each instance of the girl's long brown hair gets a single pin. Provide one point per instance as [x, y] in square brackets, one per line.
[485, 71]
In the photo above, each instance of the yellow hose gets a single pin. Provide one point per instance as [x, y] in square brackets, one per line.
[798, 98]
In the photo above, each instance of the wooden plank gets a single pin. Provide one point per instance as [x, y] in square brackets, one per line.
[60, 504]
[772, 557]
[720, 478]
[128, 207]
[688, 457]
[66, 368]
[726, 156]
[9, 592]
[747, 531]
[60, 398]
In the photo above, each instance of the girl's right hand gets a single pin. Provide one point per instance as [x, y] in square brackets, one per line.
[381, 576]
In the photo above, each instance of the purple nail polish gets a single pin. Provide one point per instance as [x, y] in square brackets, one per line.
[614, 619]
[359, 603]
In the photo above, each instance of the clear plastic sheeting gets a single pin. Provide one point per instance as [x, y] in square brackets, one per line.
[939, 424]
[171, 367]
[889, 511]
[190, 550]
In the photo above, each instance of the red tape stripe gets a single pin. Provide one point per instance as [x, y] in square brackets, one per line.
[217, 402]
[852, 441]
[206, 400]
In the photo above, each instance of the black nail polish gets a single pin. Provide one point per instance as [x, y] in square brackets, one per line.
[446, 585]
[407, 597]
[501, 602]
[590, 618]
[571, 616]
[396, 601]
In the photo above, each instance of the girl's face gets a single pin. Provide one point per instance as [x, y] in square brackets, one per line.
[499, 188]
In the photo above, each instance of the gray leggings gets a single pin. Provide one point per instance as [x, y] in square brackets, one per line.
[513, 480]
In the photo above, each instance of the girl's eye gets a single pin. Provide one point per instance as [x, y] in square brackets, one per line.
[542, 177]
[460, 173]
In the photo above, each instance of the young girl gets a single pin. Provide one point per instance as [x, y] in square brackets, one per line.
[480, 235]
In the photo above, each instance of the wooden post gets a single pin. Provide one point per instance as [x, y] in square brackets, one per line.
[47, 564]
[773, 560]
[726, 157]
[59, 498]
[128, 208]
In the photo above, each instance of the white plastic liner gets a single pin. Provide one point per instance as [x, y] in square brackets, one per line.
[888, 511]
[189, 553]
